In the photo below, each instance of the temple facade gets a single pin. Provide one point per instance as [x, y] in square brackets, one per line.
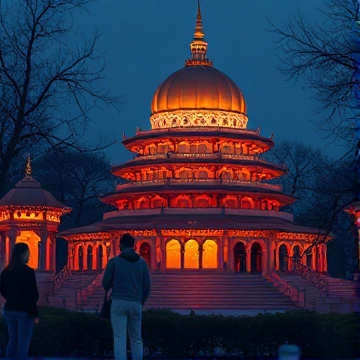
[197, 196]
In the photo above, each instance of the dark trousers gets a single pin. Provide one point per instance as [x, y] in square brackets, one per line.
[20, 327]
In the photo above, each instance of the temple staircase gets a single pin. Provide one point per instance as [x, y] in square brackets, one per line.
[186, 291]
[340, 297]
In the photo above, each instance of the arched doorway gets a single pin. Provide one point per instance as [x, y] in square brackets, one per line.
[32, 240]
[191, 260]
[308, 253]
[145, 253]
[81, 258]
[100, 252]
[283, 258]
[89, 257]
[210, 255]
[256, 254]
[173, 254]
[239, 257]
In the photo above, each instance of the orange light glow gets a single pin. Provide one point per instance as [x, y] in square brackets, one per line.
[210, 253]
[173, 255]
[191, 255]
[27, 215]
[32, 240]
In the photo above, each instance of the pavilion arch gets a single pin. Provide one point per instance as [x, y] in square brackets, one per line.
[226, 174]
[227, 147]
[145, 252]
[101, 256]
[247, 203]
[246, 174]
[210, 254]
[173, 254]
[89, 257]
[183, 201]
[157, 202]
[80, 254]
[203, 201]
[142, 203]
[283, 255]
[202, 148]
[191, 255]
[32, 239]
[264, 204]
[239, 252]
[185, 173]
[256, 257]
[183, 147]
[230, 201]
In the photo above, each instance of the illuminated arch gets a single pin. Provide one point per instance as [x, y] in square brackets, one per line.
[183, 201]
[210, 255]
[191, 260]
[256, 255]
[32, 240]
[247, 203]
[89, 257]
[283, 257]
[80, 264]
[202, 149]
[157, 202]
[145, 252]
[239, 257]
[173, 254]
[203, 201]
[143, 203]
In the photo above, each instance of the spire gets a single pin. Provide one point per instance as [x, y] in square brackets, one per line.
[199, 33]
[198, 46]
[28, 167]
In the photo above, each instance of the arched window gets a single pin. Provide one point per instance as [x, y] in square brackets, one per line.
[283, 258]
[173, 255]
[81, 258]
[256, 254]
[239, 257]
[89, 257]
[191, 260]
[210, 255]
[145, 253]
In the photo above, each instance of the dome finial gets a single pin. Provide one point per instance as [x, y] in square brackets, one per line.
[28, 167]
[199, 32]
[198, 46]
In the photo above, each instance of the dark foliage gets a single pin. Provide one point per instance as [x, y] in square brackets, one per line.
[64, 333]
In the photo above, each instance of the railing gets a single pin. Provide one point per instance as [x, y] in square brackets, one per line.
[61, 278]
[201, 181]
[311, 277]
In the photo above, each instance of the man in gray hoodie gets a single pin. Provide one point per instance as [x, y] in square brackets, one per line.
[128, 276]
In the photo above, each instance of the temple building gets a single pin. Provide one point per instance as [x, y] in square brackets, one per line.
[30, 214]
[198, 196]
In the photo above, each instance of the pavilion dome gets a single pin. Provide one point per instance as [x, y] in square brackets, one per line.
[28, 192]
[198, 87]
[198, 95]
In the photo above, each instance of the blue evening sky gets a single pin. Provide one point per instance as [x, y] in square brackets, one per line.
[147, 40]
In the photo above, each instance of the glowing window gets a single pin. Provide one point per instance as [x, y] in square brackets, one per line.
[173, 255]
[210, 255]
[32, 240]
[191, 260]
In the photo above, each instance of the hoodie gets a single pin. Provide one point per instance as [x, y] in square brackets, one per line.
[129, 277]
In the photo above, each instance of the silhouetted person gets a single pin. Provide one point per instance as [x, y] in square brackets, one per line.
[18, 287]
[128, 276]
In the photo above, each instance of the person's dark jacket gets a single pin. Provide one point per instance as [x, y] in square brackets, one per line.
[129, 277]
[18, 287]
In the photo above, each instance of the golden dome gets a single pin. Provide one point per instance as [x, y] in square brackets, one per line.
[198, 94]
[198, 87]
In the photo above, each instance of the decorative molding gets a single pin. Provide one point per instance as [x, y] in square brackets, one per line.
[298, 236]
[251, 233]
[198, 118]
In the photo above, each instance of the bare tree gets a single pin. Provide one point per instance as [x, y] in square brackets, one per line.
[321, 187]
[77, 179]
[50, 79]
[321, 54]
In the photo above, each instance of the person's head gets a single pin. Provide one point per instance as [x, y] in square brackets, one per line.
[20, 255]
[127, 242]
[289, 352]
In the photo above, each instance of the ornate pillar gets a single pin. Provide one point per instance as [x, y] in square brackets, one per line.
[325, 258]
[314, 258]
[158, 255]
[85, 255]
[248, 256]
[43, 243]
[71, 254]
[94, 255]
[12, 239]
[200, 242]
[182, 254]
[277, 257]
[264, 261]
[53, 252]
